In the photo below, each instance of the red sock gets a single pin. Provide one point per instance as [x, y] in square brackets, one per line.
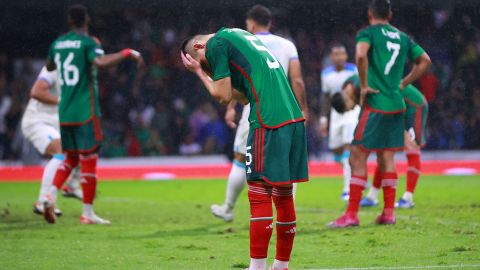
[286, 221]
[389, 184]
[357, 185]
[377, 179]
[89, 177]
[261, 219]
[413, 170]
[64, 170]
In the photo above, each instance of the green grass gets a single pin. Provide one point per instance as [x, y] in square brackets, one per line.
[168, 225]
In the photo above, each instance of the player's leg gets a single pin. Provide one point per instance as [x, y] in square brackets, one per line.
[389, 186]
[235, 184]
[237, 177]
[72, 188]
[336, 144]
[349, 122]
[261, 219]
[372, 196]
[412, 151]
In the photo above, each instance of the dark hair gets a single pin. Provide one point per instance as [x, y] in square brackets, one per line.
[184, 44]
[380, 8]
[336, 45]
[77, 15]
[338, 104]
[260, 14]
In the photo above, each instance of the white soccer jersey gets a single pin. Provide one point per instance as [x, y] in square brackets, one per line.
[332, 80]
[38, 109]
[283, 49]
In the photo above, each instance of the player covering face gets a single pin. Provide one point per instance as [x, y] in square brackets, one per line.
[76, 57]
[233, 64]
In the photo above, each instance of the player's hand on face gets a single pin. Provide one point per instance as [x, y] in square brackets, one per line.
[190, 63]
[366, 91]
[230, 118]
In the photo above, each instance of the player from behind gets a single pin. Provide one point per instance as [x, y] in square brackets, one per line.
[414, 136]
[76, 57]
[276, 153]
[259, 21]
[40, 126]
[341, 125]
[381, 54]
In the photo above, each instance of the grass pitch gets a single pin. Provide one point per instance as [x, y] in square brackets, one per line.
[168, 225]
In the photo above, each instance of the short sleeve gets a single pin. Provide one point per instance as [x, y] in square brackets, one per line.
[217, 58]
[414, 50]
[363, 36]
[324, 84]
[94, 49]
[292, 51]
[49, 76]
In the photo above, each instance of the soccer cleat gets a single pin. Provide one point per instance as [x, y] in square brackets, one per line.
[367, 202]
[344, 222]
[345, 196]
[38, 209]
[72, 192]
[385, 220]
[94, 219]
[49, 210]
[222, 211]
[405, 204]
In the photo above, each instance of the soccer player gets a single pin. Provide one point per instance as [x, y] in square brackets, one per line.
[259, 21]
[414, 136]
[40, 127]
[76, 57]
[234, 64]
[381, 54]
[341, 126]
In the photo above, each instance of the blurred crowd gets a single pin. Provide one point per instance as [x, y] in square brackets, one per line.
[164, 110]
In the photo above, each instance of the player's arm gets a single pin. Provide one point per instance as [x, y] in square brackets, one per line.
[41, 92]
[361, 59]
[113, 59]
[298, 85]
[324, 108]
[422, 63]
[230, 114]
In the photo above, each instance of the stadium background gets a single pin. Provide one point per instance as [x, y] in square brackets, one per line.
[164, 110]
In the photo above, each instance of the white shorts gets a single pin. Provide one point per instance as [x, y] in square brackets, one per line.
[241, 136]
[342, 127]
[40, 131]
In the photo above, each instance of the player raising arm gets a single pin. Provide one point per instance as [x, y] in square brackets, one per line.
[76, 56]
[276, 153]
[381, 54]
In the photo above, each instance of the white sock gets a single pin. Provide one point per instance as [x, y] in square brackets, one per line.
[235, 183]
[48, 175]
[88, 210]
[346, 173]
[373, 193]
[74, 180]
[407, 196]
[279, 265]
[258, 264]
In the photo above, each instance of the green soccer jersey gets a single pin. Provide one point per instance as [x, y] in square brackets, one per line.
[73, 55]
[413, 96]
[254, 71]
[387, 56]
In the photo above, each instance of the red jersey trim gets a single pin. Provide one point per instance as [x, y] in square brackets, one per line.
[285, 182]
[239, 68]
[383, 112]
[69, 124]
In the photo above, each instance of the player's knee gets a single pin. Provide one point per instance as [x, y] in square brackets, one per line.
[260, 199]
[240, 158]
[72, 159]
[284, 204]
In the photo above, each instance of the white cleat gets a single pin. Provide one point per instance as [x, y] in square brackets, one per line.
[222, 211]
[94, 219]
[71, 191]
[49, 209]
[38, 209]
